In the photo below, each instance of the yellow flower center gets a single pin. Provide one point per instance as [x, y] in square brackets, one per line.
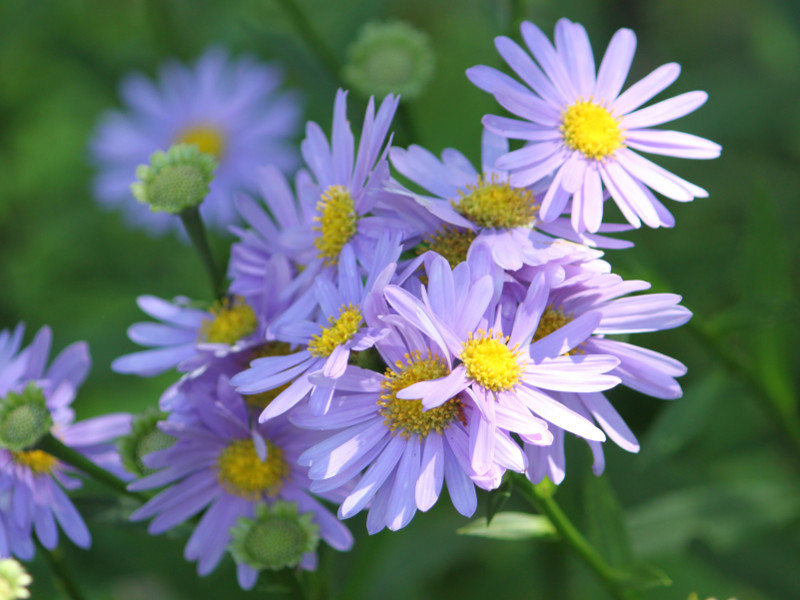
[233, 319]
[207, 138]
[337, 222]
[553, 319]
[490, 362]
[592, 130]
[242, 473]
[497, 204]
[341, 329]
[407, 417]
[262, 399]
[453, 244]
[38, 461]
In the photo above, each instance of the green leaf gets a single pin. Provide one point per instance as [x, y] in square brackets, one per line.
[641, 577]
[511, 526]
[498, 498]
[605, 527]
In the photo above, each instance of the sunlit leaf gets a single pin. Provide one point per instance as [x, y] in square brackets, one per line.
[511, 526]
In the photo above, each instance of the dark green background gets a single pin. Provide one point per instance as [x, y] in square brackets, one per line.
[713, 498]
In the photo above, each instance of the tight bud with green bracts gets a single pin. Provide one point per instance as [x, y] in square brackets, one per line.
[390, 58]
[145, 437]
[24, 419]
[276, 538]
[14, 580]
[174, 180]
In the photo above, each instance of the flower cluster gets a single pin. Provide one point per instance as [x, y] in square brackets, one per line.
[379, 340]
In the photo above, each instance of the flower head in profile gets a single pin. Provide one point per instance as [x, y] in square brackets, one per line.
[225, 467]
[35, 399]
[230, 108]
[579, 126]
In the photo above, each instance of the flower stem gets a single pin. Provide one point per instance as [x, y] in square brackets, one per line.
[61, 572]
[64, 453]
[541, 499]
[193, 224]
[303, 25]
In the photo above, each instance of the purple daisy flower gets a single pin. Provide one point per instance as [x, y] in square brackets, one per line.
[578, 126]
[347, 200]
[475, 207]
[224, 465]
[406, 453]
[328, 323]
[231, 108]
[507, 375]
[32, 482]
[585, 290]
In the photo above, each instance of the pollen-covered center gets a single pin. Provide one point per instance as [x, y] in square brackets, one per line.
[496, 204]
[591, 130]
[207, 138]
[340, 330]
[490, 362]
[453, 244]
[553, 319]
[337, 222]
[407, 417]
[38, 461]
[232, 320]
[242, 473]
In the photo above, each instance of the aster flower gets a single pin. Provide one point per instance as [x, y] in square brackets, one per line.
[398, 453]
[327, 340]
[229, 108]
[483, 208]
[578, 126]
[223, 466]
[584, 290]
[31, 480]
[506, 374]
[347, 200]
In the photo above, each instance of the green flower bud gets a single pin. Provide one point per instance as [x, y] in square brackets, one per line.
[390, 58]
[24, 418]
[14, 580]
[145, 437]
[278, 537]
[174, 180]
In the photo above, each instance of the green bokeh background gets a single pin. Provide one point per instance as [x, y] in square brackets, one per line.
[713, 499]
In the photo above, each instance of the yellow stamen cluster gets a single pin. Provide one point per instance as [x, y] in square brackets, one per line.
[453, 244]
[241, 472]
[233, 319]
[551, 320]
[407, 417]
[38, 461]
[592, 130]
[262, 399]
[208, 139]
[496, 204]
[490, 362]
[341, 329]
[337, 222]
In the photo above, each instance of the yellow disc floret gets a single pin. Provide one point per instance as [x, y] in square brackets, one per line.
[407, 417]
[551, 320]
[592, 130]
[451, 243]
[233, 319]
[337, 222]
[262, 399]
[340, 330]
[38, 461]
[490, 362]
[242, 473]
[496, 204]
[207, 138]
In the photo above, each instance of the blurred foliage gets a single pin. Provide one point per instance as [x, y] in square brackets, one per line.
[712, 499]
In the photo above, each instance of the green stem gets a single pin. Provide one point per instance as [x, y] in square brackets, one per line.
[193, 224]
[61, 572]
[544, 503]
[787, 423]
[64, 453]
[324, 53]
